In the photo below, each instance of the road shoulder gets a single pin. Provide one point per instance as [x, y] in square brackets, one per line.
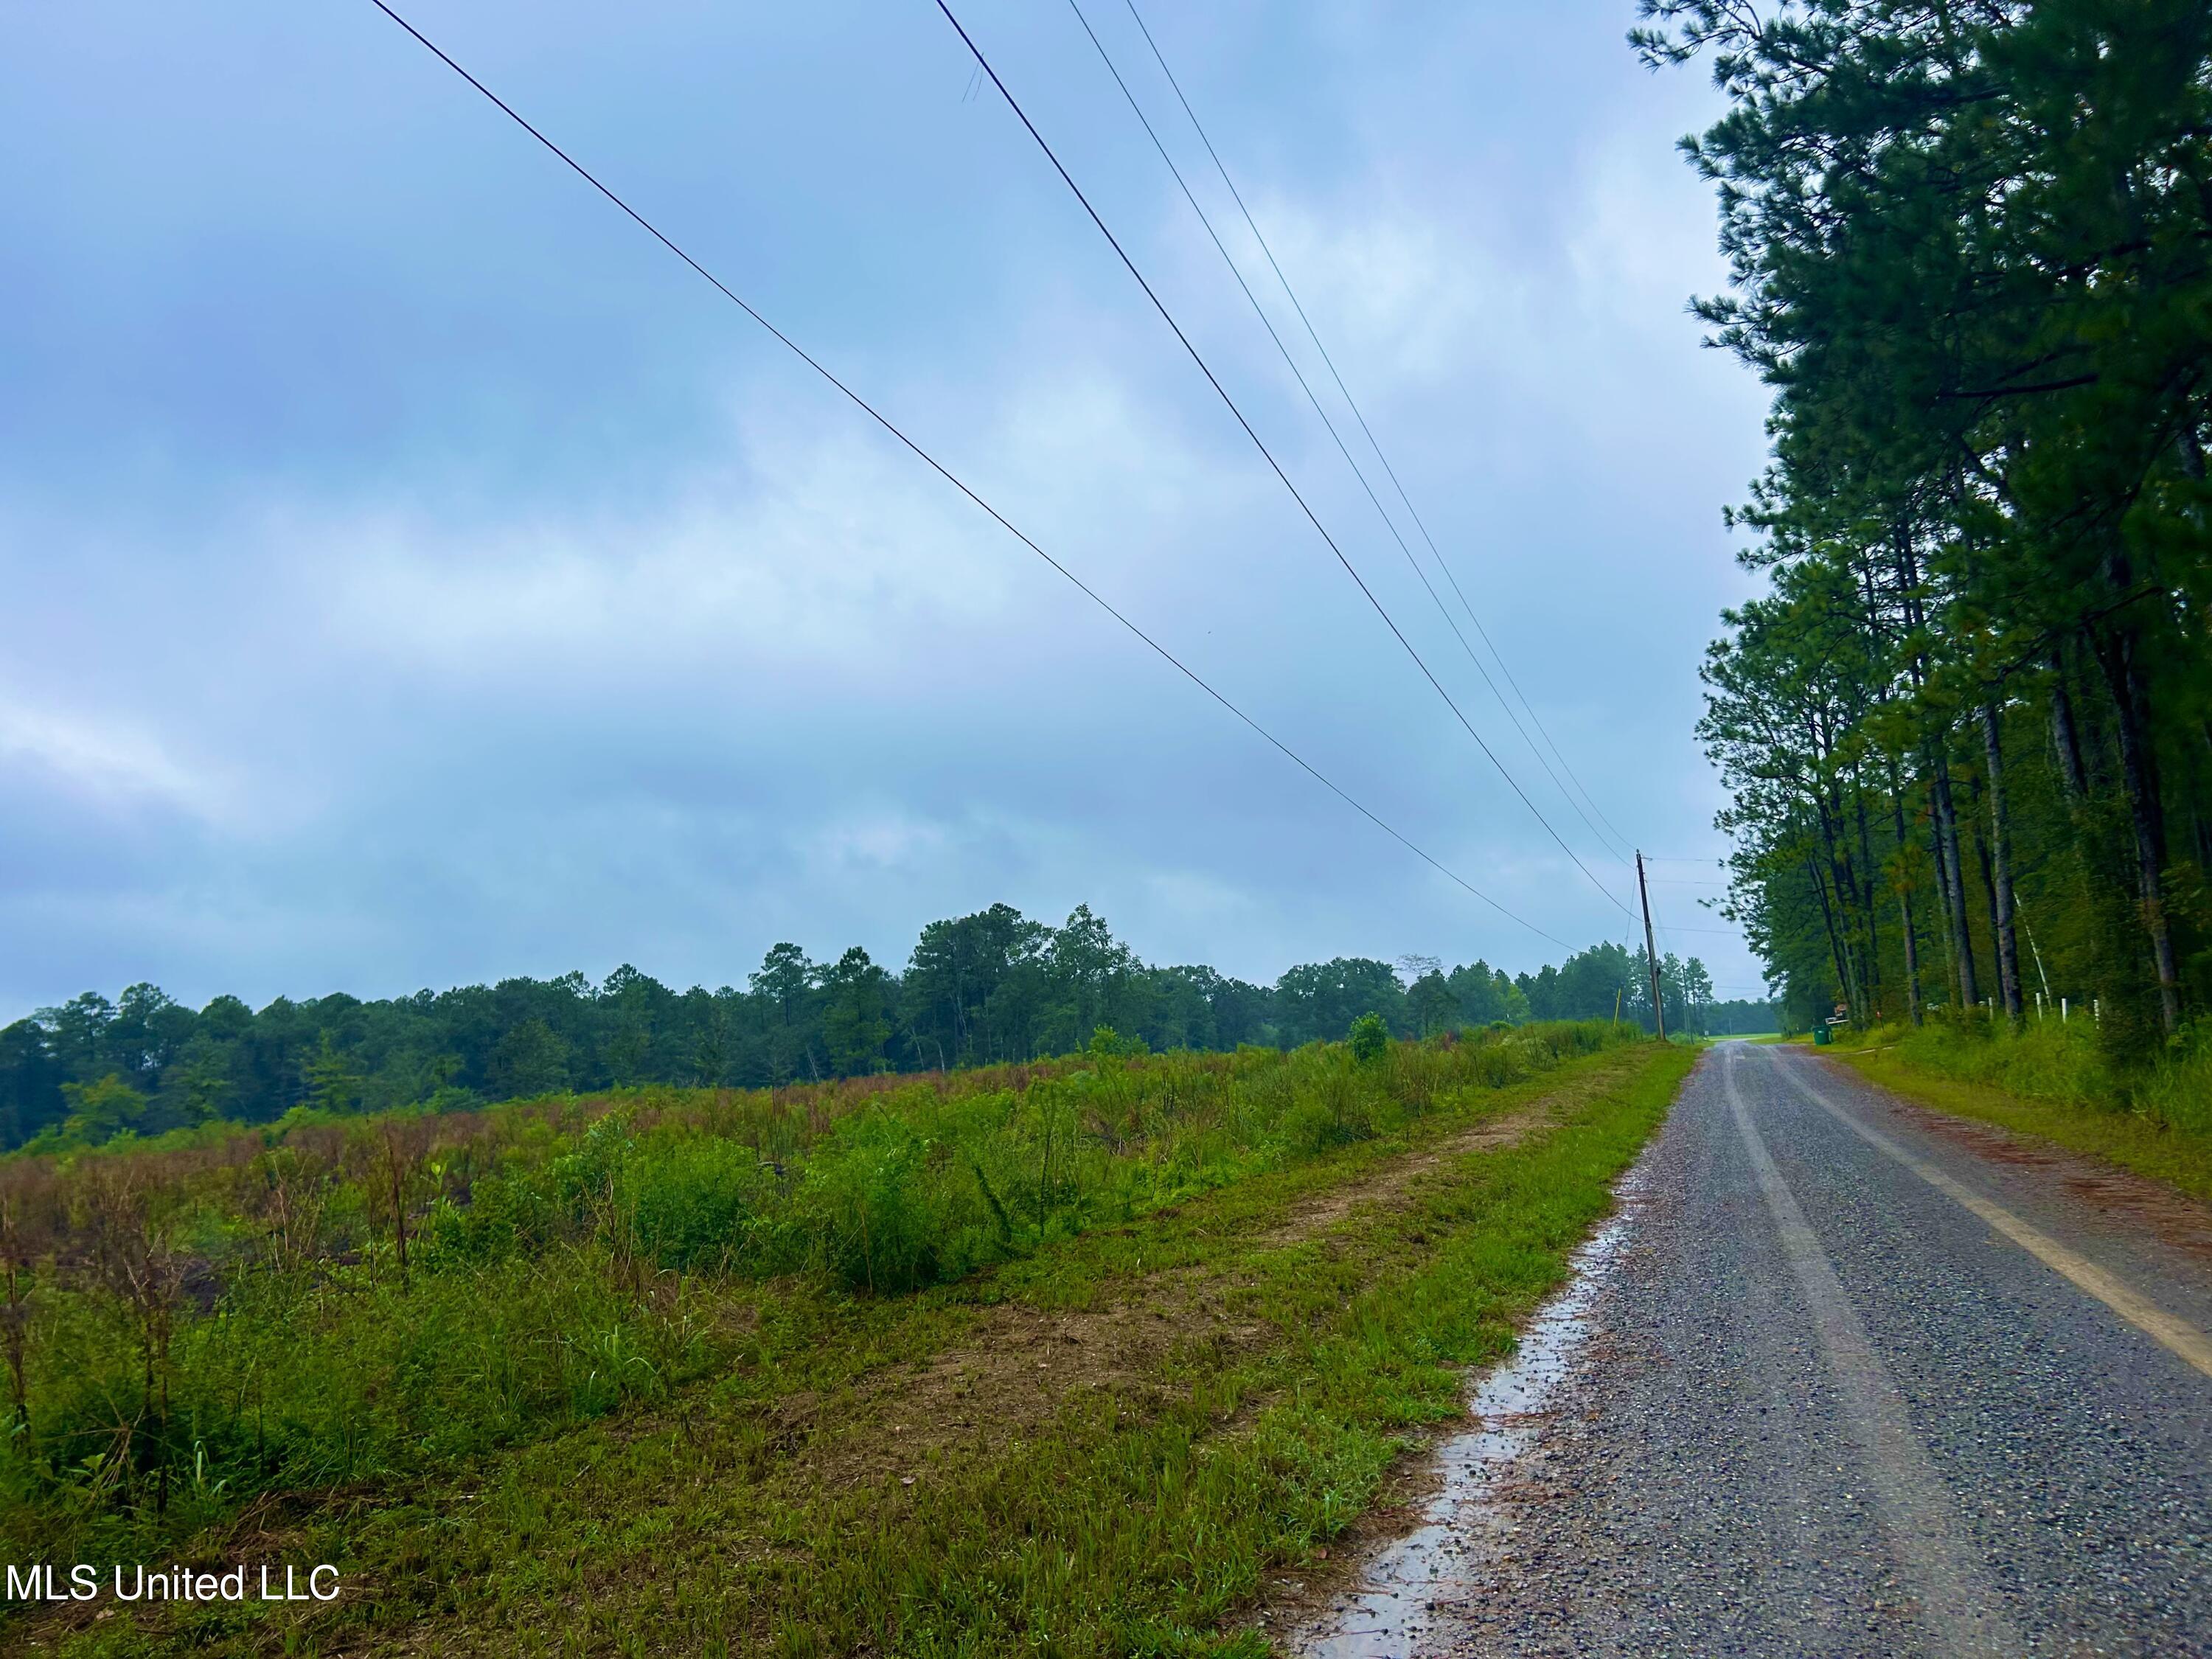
[2124, 1144]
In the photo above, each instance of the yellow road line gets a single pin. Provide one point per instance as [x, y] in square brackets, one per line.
[2183, 1338]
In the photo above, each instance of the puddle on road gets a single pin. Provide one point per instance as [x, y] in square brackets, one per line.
[1433, 1569]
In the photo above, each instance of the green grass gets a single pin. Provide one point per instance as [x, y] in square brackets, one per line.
[2050, 1082]
[764, 1504]
[210, 1325]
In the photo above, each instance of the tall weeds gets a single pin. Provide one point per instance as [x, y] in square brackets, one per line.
[2065, 1063]
[326, 1304]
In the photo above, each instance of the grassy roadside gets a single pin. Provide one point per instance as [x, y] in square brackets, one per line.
[2177, 1154]
[1099, 1449]
[189, 1332]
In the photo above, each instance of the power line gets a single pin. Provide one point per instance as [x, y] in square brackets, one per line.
[943, 471]
[1328, 421]
[1268, 454]
[1414, 512]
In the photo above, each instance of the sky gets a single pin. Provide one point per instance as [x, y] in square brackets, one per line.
[417, 576]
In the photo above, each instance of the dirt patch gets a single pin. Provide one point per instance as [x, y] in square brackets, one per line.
[1013, 1373]
[1326, 1210]
[1389, 1185]
[1017, 1368]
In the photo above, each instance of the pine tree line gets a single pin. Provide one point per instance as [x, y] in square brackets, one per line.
[977, 990]
[1968, 731]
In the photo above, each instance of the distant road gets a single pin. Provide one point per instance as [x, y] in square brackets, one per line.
[1871, 1381]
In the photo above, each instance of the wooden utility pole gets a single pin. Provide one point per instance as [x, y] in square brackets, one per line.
[1651, 954]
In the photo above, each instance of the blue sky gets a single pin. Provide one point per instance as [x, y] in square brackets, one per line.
[416, 576]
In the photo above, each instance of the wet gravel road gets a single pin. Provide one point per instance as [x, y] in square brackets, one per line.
[1847, 1394]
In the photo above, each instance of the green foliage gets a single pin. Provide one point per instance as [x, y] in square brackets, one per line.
[870, 1210]
[1963, 732]
[2043, 1060]
[1370, 1038]
[1138, 1518]
[694, 1204]
[2065, 1063]
[530, 1059]
[101, 1110]
[856, 1025]
[1315, 1002]
[257, 1333]
[2060, 1085]
[977, 990]
[2176, 1093]
[333, 1084]
[1107, 1044]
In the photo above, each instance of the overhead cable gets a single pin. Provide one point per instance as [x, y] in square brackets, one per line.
[945, 472]
[1267, 454]
[1442, 563]
[1329, 421]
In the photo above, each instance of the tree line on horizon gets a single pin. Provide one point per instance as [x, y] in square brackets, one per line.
[1968, 729]
[980, 989]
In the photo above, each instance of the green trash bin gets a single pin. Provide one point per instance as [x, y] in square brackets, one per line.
[1820, 1035]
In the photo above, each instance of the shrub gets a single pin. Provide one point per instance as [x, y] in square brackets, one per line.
[2178, 1094]
[505, 1217]
[692, 1202]
[1371, 1039]
[862, 1212]
[2046, 1059]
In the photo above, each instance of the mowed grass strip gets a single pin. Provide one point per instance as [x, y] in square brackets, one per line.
[2173, 1148]
[1099, 1449]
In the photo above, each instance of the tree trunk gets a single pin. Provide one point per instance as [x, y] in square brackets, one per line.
[2139, 773]
[1954, 880]
[2066, 738]
[1837, 951]
[1848, 973]
[2001, 868]
[1866, 898]
[1982, 861]
[1905, 900]
[1947, 935]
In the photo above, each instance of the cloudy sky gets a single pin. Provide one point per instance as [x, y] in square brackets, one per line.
[416, 575]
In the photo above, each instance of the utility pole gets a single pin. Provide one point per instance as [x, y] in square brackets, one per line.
[1651, 954]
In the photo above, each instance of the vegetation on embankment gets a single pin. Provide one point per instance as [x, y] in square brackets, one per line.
[2056, 1080]
[232, 1329]
[1963, 731]
[1100, 1448]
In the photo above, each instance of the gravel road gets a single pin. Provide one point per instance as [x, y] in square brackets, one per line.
[1846, 1393]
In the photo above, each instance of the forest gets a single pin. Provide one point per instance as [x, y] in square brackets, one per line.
[1967, 729]
[991, 987]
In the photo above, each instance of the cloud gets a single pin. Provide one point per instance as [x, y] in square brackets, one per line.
[105, 760]
[1410, 299]
[441, 585]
